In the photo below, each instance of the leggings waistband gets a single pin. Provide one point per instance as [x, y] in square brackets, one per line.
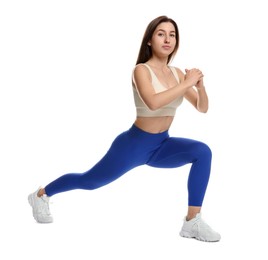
[138, 131]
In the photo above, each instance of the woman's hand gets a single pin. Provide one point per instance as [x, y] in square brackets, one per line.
[194, 77]
[200, 84]
[198, 98]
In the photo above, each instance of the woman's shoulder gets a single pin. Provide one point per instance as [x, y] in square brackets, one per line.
[141, 68]
[179, 72]
[141, 72]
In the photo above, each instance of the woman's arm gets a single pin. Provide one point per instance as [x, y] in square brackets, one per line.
[197, 96]
[154, 100]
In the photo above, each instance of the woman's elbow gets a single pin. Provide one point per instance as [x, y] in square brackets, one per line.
[203, 109]
[153, 106]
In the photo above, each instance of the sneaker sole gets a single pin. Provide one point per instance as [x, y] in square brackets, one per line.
[188, 235]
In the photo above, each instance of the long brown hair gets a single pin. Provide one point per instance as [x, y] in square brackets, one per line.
[145, 52]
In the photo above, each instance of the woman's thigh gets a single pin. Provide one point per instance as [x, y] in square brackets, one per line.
[176, 152]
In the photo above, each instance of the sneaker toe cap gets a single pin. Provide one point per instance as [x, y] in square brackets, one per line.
[211, 237]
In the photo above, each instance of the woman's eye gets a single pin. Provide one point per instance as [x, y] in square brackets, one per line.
[172, 35]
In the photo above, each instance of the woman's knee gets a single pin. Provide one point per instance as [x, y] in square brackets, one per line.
[89, 181]
[204, 150]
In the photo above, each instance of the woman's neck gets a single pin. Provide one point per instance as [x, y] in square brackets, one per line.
[159, 64]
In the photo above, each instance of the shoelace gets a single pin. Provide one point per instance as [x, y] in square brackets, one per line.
[199, 225]
[45, 207]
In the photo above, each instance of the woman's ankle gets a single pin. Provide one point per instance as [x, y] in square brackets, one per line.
[41, 192]
[192, 212]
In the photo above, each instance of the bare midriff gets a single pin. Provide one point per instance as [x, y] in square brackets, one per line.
[154, 125]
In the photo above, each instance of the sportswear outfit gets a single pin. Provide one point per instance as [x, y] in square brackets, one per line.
[136, 147]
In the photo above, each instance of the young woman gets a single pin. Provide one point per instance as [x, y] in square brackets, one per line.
[158, 90]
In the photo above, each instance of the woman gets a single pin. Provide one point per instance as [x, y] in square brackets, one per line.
[158, 90]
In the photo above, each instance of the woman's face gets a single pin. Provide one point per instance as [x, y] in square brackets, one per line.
[163, 40]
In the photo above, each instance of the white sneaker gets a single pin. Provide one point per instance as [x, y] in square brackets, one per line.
[198, 229]
[40, 207]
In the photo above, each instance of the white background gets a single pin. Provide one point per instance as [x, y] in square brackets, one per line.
[65, 79]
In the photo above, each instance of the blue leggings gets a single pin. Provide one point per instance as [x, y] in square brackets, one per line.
[136, 147]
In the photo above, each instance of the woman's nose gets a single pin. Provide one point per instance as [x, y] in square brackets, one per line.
[167, 39]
